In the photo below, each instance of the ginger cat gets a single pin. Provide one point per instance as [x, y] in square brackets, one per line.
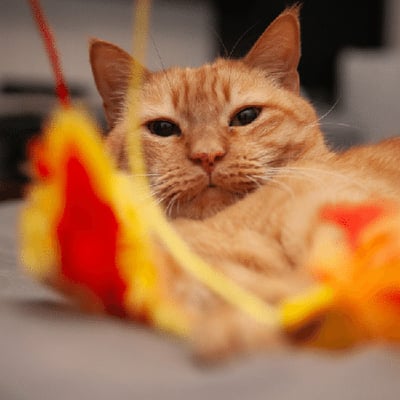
[237, 159]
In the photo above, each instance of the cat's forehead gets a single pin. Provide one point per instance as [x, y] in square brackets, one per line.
[225, 75]
[211, 87]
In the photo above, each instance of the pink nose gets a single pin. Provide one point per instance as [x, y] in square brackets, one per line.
[208, 160]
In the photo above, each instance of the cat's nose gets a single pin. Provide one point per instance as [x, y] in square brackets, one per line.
[208, 160]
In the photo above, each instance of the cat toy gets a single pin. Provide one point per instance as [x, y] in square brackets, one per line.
[94, 233]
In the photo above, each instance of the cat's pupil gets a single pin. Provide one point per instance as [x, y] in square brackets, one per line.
[163, 128]
[246, 116]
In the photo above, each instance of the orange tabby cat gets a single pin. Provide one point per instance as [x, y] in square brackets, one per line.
[237, 154]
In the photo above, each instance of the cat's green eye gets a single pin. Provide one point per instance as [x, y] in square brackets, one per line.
[245, 116]
[163, 128]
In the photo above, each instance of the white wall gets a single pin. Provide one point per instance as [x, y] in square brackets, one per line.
[182, 31]
[369, 83]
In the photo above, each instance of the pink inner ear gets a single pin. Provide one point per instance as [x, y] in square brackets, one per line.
[352, 218]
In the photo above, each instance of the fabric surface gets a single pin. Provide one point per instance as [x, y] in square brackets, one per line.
[49, 350]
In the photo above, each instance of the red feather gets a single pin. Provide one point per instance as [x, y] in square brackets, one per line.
[87, 234]
[353, 218]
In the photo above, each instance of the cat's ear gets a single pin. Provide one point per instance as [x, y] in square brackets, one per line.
[112, 70]
[277, 51]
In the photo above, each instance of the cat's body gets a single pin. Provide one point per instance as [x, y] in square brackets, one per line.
[238, 161]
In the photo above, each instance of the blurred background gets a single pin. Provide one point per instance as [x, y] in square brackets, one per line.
[350, 67]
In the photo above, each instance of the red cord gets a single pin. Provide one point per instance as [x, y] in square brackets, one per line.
[51, 49]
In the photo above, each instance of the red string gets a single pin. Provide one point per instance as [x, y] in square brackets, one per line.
[51, 49]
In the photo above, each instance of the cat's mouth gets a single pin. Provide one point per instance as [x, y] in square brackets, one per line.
[215, 194]
[238, 188]
[211, 183]
[208, 202]
[205, 203]
[208, 197]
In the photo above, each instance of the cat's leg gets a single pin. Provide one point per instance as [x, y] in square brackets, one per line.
[246, 248]
[225, 330]
[221, 329]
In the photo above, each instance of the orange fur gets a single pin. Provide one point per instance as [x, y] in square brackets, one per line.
[246, 198]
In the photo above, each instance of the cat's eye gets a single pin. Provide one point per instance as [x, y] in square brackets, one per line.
[245, 116]
[163, 128]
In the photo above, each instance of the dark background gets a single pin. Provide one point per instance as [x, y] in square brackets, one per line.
[327, 27]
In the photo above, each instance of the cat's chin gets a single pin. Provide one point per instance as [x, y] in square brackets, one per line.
[205, 204]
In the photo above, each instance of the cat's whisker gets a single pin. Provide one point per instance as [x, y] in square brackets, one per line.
[336, 125]
[178, 203]
[241, 37]
[157, 198]
[350, 128]
[167, 208]
[306, 177]
[158, 53]
[146, 196]
[296, 173]
[220, 41]
[283, 186]
[253, 179]
[166, 195]
[314, 125]
[160, 195]
[280, 185]
[341, 124]
[317, 123]
[315, 171]
[330, 110]
[321, 171]
[157, 50]
[171, 204]
[284, 171]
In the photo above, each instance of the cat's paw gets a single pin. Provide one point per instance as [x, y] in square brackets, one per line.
[226, 332]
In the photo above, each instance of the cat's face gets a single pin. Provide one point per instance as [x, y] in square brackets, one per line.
[213, 134]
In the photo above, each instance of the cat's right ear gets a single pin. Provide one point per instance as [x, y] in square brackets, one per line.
[112, 70]
[277, 51]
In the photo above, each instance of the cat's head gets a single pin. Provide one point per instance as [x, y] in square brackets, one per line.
[215, 133]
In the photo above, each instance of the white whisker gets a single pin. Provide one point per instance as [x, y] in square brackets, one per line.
[318, 174]
[253, 179]
[170, 206]
[330, 109]
[278, 184]
[296, 173]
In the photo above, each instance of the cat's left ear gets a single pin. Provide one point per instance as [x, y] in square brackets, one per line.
[277, 51]
[112, 70]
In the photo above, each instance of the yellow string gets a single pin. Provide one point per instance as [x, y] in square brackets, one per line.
[141, 28]
[209, 276]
